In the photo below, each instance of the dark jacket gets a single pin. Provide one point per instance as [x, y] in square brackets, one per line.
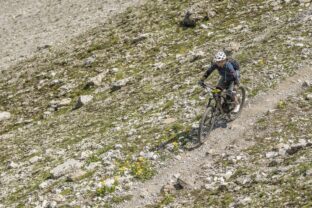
[227, 72]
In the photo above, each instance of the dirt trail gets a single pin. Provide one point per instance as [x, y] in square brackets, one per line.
[235, 134]
[26, 25]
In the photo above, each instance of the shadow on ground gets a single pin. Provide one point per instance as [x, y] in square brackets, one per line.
[190, 139]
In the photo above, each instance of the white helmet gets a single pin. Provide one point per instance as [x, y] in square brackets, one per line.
[220, 56]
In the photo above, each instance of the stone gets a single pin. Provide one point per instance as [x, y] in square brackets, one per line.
[89, 61]
[294, 149]
[83, 100]
[244, 180]
[55, 104]
[210, 187]
[228, 174]
[114, 70]
[159, 65]
[48, 204]
[309, 172]
[120, 83]
[304, 1]
[144, 194]
[306, 84]
[64, 102]
[169, 120]
[232, 47]
[93, 166]
[271, 154]
[110, 182]
[5, 116]
[65, 168]
[46, 184]
[35, 159]
[140, 38]
[118, 146]
[185, 182]
[168, 189]
[195, 55]
[309, 96]
[96, 81]
[245, 200]
[188, 21]
[204, 26]
[149, 155]
[12, 165]
[273, 163]
[75, 176]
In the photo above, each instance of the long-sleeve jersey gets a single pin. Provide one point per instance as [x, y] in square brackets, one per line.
[227, 72]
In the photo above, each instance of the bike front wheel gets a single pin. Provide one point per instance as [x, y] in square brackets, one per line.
[206, 124]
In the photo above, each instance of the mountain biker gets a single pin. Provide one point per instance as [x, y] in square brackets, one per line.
[229, 76]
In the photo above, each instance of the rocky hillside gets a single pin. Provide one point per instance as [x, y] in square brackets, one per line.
[81, 123]
[275, 172]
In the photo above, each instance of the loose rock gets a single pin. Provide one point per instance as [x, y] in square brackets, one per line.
[75, 176]
[5, 116]
[97, 80]
[65, 168]
[83, 100]
[188, 21]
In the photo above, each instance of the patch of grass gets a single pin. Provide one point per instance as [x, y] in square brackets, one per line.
[240, 172]
[262, 123]
[66, 192]
[92, 159]
[168, 104]
[104, 190]
[142, 169]
[120, 199]
[281, 105]
[165, 200]
[87, 175]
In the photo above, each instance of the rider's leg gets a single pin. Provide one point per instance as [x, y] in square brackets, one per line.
[230, 91]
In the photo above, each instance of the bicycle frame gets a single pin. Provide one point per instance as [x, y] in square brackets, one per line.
[217, 96]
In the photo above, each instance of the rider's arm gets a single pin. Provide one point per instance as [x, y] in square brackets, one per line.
[209, 71]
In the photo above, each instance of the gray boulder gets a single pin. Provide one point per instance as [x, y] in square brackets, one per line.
[65, 168]
[89, 61]
[96, 81]
[188, 21]
[64, 102]
[5, 116]
[120, 83]
[83, 100]
[185, 182]
[12, 165]
[309, 96]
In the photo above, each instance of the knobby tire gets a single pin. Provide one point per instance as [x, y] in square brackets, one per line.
[204, 127]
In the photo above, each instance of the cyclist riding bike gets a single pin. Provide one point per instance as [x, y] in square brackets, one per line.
[229, 77]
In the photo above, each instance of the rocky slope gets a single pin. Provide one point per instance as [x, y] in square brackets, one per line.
[274, 172]
[136, 88]
[28, 27]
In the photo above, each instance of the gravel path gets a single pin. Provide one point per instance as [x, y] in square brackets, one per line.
[26, 25]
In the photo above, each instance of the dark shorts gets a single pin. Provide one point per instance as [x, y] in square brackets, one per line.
[227, 85]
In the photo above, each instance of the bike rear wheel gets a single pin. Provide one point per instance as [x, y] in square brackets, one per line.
[206, 124]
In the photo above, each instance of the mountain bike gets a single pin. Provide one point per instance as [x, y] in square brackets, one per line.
[220, 106]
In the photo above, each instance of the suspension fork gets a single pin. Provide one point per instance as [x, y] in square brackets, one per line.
[218, 103]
